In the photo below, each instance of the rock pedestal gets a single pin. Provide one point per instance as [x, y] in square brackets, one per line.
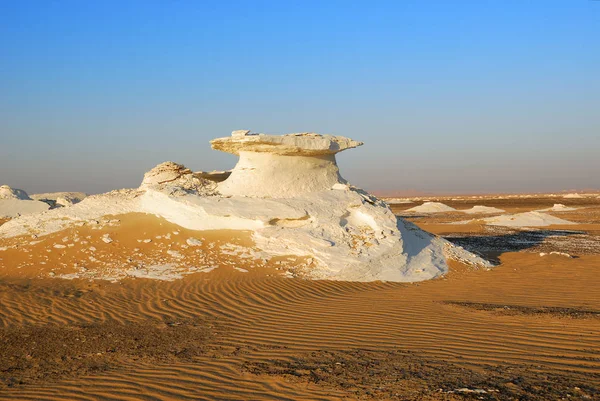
[282, 166]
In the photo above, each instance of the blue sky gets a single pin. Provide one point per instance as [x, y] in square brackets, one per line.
[448, 96]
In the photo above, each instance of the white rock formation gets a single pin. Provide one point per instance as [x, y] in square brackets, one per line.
[478, 209]
[275, 166]
[288, 191]
[7, 192]
[58, 199]
[15, 202]
[175, 178]
[518, 220]
[431, 207]
[558, 207]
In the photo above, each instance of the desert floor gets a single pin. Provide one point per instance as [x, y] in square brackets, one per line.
[527, 329]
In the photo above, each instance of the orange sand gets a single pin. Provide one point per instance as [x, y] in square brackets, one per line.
[260, 317]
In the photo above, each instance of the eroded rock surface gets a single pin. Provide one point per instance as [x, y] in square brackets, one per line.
[60, 199]
[287, 191]
[298, 144]
[177, 179]
[7, 192]
[282, 166]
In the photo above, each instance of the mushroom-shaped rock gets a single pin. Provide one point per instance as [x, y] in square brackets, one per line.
[300, 144]
[282, 166]
[342, 232]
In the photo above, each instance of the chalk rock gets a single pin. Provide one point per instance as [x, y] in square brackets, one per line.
[558, 207]
[177, 178]
[282, 166]
[7, 192]
[288, 192]
[298, 144]
[520, 220]
[60, 199]
[478, 209]
[164, 173]
[431, 207]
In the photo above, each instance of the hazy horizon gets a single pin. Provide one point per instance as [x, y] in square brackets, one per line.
[460, 97]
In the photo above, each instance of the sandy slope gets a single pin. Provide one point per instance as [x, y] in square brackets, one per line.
[257, 319]
[229, 335]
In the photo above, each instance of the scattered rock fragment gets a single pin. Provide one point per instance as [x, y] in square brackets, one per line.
[193, 242]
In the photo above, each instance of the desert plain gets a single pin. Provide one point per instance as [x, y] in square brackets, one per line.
[526, 328]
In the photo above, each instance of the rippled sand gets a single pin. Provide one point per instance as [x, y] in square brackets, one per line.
[529, 326]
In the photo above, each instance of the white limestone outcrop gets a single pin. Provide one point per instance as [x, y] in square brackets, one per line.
[177, 179]
[281, 166]
[288, 191]
[60, 199]
[431, 207]
[7, 192]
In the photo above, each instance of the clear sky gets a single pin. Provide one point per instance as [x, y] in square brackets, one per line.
[448, 96]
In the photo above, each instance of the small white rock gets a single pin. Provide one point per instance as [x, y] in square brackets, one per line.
[193, 242]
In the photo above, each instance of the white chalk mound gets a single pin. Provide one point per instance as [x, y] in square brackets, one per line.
[432, 207]
[288, 191]
[482, 210]
[527, 219]
[15, 202]
[558, 207]
[573, 196]
[7, 192]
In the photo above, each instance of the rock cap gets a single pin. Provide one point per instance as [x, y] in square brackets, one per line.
[297, 144]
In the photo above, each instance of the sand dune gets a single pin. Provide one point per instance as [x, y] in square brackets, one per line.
[251, 319]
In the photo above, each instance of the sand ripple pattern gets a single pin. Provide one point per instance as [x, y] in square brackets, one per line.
[268, 318]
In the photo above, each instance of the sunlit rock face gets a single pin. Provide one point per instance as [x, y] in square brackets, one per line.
[176, 178]
[282, 166]
[288, 193]
[7, 192]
